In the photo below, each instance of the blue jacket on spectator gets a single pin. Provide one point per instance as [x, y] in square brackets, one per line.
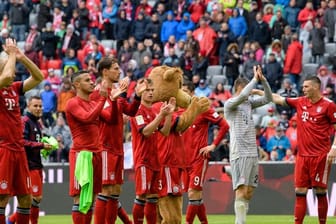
[202, 89]
[168, 27]
[284, 3]
[49, 99]
[291, 14]
[238, 26]
[280, 144]
[184, 26]
[111, 16]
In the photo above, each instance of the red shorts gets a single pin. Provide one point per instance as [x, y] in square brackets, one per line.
[14, 173]
[113, 168]
[312, 171]
[171, 182]
[74, 188]
[196, 175]
[146, 181]
[36, 182]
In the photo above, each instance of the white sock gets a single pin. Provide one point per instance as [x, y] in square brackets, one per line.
[241, 207]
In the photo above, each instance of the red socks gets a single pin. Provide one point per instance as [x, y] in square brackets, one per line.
[77, 216]
[322, 207]
[202, 214]
[150, 210]
[138, 211]
[100, 209]
[22, 215]
[34, 214]
[191, 213]
[111, 210]
[300, 208]
[196, 207]
[122, 214]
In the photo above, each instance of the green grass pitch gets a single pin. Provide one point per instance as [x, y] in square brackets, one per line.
[213, 219]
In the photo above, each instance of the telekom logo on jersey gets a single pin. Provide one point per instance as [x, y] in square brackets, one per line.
[312, 202]
[305, 116]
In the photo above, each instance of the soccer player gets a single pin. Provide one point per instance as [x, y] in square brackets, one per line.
[32, 135]
[145, 126]
[243, 147]
[315, 116]
[172, 162]
[111, 140]
[14, 174]
[198, 152]
[83, 119]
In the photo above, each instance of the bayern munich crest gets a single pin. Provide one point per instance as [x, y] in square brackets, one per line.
[176, 189]
[3, 185]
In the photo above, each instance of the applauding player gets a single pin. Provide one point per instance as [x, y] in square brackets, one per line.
[14, 174]
[243, 146]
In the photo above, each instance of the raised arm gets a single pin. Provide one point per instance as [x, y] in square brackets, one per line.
[267, 96]
[87, 116]
[7, 67]
[152, 126]
[276, 98]
[234, 102]
[36, 76]
[165, 130]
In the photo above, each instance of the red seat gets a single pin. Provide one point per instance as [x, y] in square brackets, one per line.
[81, 58]
[43, 62]
[55, 64]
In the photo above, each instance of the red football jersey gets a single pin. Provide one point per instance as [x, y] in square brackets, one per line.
[112, 125]
[145, 152]
[83, 120]
[171, 147]
[196, 136]
[313, 124]
[10, 117]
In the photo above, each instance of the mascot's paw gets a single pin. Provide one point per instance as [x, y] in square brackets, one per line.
[199, 105]
[204, 104]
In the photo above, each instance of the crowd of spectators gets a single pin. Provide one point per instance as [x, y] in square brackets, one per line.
[64, 36]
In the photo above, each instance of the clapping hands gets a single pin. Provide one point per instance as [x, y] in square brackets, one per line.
[168, 108]
[123, 86]
[258, 75]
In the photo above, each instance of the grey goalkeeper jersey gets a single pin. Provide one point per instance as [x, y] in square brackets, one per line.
[238, 114]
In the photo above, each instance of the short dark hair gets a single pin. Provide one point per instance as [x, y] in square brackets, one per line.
[240, 81]
[106, 63]
[190, 86]
[314, 79]
[75, 76]
[34, 97]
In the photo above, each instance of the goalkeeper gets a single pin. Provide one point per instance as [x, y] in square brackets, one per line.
[33, 146]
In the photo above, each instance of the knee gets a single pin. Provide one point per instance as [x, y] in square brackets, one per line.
[301, 190]
[4, 198]
[24, 201]
[249, 194]
[194, 194]
[38, 199]
[320, 191]
[116, 189]
[111, 190]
